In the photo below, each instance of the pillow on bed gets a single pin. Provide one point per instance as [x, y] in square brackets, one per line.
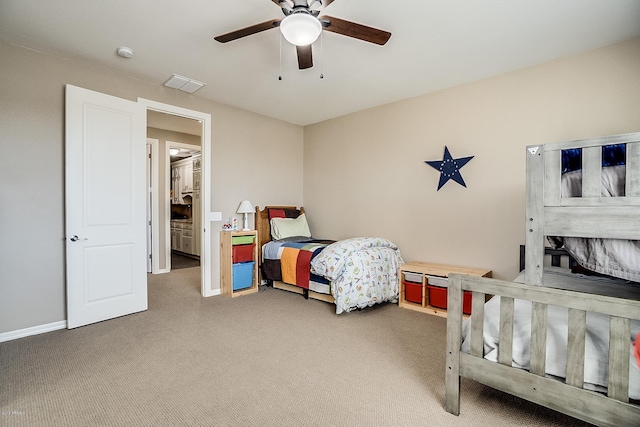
[276, 213]
[283, 213]
[289, 227]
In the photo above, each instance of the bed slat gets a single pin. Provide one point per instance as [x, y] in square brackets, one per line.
[592, 172]
[615, 222]
[477, 324]
[552, 177]
[505, 350]
[538, 338]
[632, 184]
[620, 331]
[575, 347]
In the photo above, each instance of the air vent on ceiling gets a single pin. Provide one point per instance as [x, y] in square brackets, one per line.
[184, 84]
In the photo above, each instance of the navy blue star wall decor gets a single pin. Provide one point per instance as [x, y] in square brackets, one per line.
[449, 168]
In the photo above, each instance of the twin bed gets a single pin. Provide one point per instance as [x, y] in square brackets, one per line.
[561, 339]
[351, 273]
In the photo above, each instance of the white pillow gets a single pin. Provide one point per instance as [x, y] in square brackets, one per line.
[282, 228]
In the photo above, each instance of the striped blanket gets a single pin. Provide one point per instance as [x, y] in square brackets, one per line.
[295, 262]
[289, 261]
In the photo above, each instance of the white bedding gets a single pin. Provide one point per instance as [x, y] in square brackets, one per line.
[614, 257]
[596, 343]
[363, 271]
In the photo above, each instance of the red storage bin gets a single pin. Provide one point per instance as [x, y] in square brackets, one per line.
[438, 298]
[466, 302]
[242, 253]
[413, 292]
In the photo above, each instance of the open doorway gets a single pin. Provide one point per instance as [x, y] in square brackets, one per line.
[189, 132]
[185, 216]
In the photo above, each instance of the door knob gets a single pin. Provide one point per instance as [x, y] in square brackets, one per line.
[75, 238]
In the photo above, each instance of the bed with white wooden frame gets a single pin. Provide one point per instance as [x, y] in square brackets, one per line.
[549, 214]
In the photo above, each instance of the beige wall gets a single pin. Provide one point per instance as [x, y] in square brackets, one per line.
[253, 157]
[365, 174]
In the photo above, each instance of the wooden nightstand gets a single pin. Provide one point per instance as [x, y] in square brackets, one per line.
[424, 272]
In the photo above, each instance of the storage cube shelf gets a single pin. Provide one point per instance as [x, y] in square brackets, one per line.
[423, 286]
[238, 263]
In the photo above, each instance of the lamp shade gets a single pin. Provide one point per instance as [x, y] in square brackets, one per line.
[245, 207]
[300, 29]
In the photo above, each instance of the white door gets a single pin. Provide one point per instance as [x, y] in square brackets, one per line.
[105, 207]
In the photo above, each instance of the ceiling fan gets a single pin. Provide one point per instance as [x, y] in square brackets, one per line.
[301, 26]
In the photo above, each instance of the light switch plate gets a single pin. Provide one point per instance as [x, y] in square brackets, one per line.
[216, 216]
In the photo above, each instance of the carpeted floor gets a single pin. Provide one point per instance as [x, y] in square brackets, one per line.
[265, 359]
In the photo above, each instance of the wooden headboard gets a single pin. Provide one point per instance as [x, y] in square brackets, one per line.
[263, 226]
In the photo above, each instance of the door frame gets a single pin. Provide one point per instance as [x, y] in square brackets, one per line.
[152, 179]
[205, 236]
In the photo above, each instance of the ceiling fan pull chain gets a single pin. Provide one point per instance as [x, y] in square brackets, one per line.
[280, 74]
[321, 56]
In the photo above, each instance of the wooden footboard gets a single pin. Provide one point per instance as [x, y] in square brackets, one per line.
[569, 397]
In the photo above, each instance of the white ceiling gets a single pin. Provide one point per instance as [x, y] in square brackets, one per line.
[435, 44]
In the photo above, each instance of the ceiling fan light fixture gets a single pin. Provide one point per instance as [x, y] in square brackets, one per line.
[300, 29]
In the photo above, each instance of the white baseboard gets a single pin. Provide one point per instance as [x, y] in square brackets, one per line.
[212, 293]
[34, 330]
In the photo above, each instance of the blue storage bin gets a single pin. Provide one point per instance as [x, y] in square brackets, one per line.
[242, 275]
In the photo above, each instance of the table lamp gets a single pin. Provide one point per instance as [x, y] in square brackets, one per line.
[245, 208]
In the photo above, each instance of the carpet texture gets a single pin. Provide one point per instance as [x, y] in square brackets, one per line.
[265, 359]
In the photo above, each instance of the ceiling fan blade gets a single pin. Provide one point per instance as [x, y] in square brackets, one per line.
[358, 31]
[305, 57]
[321, 4]
[279, 3]
[234, 35]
